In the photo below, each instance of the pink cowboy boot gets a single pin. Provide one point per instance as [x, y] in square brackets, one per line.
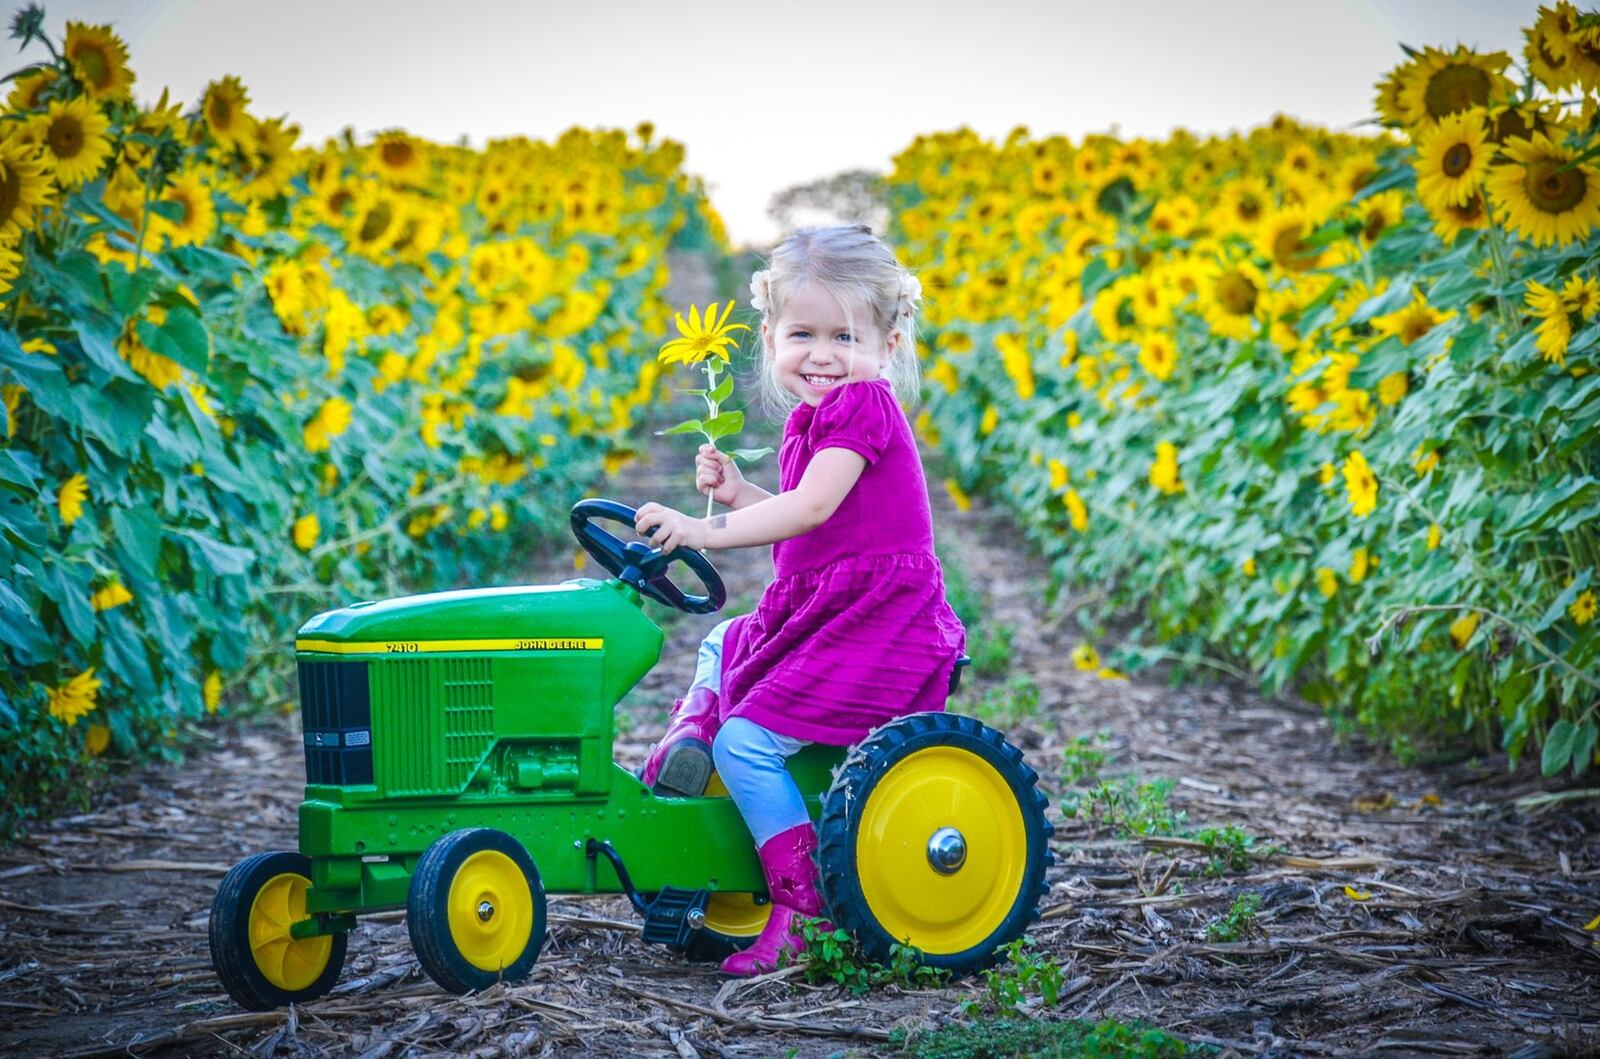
[681, 763]
[788, 860]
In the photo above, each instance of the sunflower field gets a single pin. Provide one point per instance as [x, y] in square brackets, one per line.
[1321, 409]
[242, 379]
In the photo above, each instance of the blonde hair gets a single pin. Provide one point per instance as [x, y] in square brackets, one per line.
[856, 267]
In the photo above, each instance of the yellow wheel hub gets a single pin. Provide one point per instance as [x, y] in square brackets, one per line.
[490, 910]
[941, 850]
[736, 915]
[289, 963]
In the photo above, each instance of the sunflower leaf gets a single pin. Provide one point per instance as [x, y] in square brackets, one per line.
[724, 425]
[750, 455]
[724, 389]
[688, 426]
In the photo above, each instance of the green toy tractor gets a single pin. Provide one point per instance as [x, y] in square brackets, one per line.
[458, 765]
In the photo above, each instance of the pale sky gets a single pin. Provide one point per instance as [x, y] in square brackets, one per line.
[767, 95]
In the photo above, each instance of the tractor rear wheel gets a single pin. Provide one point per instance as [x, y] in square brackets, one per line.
[476, 910]
[933, 834]
[261, 964]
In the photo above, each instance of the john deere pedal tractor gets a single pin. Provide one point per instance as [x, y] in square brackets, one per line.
[458, 765]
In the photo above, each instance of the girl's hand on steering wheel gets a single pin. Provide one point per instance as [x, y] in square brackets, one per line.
[667, 529]
[717, 476]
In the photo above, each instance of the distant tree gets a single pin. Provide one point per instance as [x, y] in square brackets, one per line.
[855, 196]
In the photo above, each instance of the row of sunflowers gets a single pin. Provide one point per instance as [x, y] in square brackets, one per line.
[244, 379]
[1320, 408]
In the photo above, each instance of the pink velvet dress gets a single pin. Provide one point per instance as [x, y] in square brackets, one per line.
[855, 630]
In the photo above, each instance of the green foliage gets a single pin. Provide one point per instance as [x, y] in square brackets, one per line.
[1239, 922]
[1025, 974]
[1128, 806]
[1007, 706]
[832, 955]
[1260, 562]
[213, 422]
[1230, 848]
[1012, 1038]
[1082, 760]
[988, 644]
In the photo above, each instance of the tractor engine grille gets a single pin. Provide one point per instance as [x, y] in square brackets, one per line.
[336, 716]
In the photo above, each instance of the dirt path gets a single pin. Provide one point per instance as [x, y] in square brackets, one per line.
[1471, 942]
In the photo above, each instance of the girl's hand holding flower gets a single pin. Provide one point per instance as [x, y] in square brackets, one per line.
[667, 529]
[717, 476]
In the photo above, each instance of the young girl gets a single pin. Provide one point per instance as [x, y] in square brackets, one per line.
[855, 630]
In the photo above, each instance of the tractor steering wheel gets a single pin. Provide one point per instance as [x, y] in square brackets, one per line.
[638, 564]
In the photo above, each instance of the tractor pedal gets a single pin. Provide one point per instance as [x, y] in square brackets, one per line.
[687, 769]
[674, 916]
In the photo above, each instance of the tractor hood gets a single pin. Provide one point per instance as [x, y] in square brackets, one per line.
[577, 609]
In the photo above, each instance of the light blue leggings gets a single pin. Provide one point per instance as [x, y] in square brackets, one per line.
[750, 759]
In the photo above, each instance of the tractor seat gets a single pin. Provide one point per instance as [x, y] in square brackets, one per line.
[955, 674]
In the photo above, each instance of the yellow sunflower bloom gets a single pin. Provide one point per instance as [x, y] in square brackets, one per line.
[1077, 511]
[1158, 355]
[1452, 159]
[72, 134]
[1584, 607]
[1451, 221]
[700, 340]
[71, 498]
[1164, 473]
[958, 495]
[1554, 331]
[223, 108]
[1439, 83]
[399, 157]
[1462, 628]
[198, 219]
[1283, 239]
[1393, 387]
[305, 532]
[331, 420]
[1327, 582]
[75, 698]
[99, 60]
[1361, 484]
[1085, 658]
[112, 596]
[1412, 322]
[96, 739]
[25, 187]
[1543, 193]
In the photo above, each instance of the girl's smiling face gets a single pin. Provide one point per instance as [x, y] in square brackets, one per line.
[814, 350]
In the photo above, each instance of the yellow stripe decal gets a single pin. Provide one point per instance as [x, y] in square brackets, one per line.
[407, 647]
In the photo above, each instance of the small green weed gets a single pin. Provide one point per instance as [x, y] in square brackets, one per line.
[1239, 922]
[1128, 806]
[991, 650]
[1083, 759]
[1025, 974]
[1010, 705]
[834, 956]
[1230, 848]
[1006, 1038]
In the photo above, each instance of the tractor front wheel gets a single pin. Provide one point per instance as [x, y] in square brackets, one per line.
[261, 963]
[476, 910]
[934, 834]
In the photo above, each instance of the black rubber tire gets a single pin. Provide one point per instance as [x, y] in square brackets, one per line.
[229, 934]
[850, 793]
[427, 911]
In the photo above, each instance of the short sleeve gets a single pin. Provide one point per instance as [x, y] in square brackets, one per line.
[859, 417]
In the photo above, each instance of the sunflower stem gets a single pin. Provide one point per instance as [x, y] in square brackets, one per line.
[1497, 256]
[711, 413]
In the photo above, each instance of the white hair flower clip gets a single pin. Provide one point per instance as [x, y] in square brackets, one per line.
[761, 291]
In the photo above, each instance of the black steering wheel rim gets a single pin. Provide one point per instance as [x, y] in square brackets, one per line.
[642, 566]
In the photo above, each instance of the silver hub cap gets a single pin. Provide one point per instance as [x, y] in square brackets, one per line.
[947, 851]
[485, 911]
